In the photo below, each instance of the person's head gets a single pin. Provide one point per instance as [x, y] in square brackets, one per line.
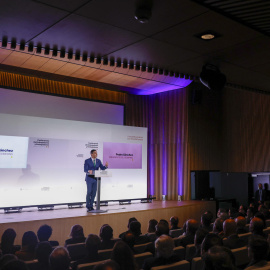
[76, 231]
[92, 244]
[44, 232]
[220, 211]
[240, 222]
[93, 153]
[229, 227]
[131, 220]
[256, 226]
[129, 239]
[242, 209]
[7, 239]
[257, 248]
[192, 226]
[15, 265]
[123, 255]
[232, 212]
[250, 212]
[135, 228]
[219, 258]
[107, 265]
[152, 225]
[218, 225]
[209, 241]
[174, 221]
[206, 219]
[262, 217]
[162, 228]
[199, 236]
[260, 186]
[106, 232]
[43, 251]
[164, 246]
[29, 240]
[59, 259]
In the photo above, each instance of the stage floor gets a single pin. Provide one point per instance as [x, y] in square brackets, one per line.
[62, 218]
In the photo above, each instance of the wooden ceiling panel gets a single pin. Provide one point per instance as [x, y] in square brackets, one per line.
[52, 66]
[35, 62]
[16, 59]
[67, 69]
[4, 54]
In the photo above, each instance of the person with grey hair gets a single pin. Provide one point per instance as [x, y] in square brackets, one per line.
[59, 259]
[164, 253]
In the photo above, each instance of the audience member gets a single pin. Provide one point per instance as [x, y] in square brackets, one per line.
[232, 213]
[174, 223]
[44, 233]
[129, 221]
[15, 265]
[92, 244]
[222, 213]
[219, 258]
[151, 230]
[29, 243]
[135, 228]
[241, 225]
[76, 234]
[162, 228]
[262, 217]
[242, 209]
[206, 220]
[258, 249]
[250, 214]
[164, 253]
[218, 227]
[59, 259]
[209, 241]
[231, 239]
[129, 239]
[106, 235]
[198, 239]
[265, 211]
[43, 251]
[192, 226]
[123, 255]
[260, 195]
[7, 242]
[256, 227]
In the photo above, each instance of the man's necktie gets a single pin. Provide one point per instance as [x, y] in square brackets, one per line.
[94, 161]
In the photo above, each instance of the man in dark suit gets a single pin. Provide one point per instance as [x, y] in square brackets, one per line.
[260, 195]
[90, 166]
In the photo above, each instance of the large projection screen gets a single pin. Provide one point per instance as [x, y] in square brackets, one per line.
[42, 160]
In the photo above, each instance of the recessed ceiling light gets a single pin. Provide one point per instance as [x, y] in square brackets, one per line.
[207, 35]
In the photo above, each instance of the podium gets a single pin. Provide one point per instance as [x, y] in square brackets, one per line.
[99, 175]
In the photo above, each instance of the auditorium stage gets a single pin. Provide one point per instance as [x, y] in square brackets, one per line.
[62, 219]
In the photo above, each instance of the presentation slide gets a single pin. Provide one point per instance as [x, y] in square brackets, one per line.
[42, 160]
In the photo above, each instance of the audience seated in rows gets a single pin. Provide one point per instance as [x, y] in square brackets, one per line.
[198, 239]
[241, 225]
[43, 251]
[209, 241]
[129, 221]
[250, 214]
[29, 243]
[15, 265]
[151, 230]
[206, 220]
[256, 227]
[107, 265]
[218, 227]
[164, 253]
[135, 228]
[44, 233]
[76, 234]
[162, 228]
[106, 236]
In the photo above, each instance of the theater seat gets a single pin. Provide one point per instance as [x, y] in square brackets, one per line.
[245, 237]
[89, 266]
[182, 265]
[139, 258]
[176, 233]
[143, 247]
[197, 264]
[241, 256]
[180, 252]
[190, 251]
[76, 251]
[105, 254]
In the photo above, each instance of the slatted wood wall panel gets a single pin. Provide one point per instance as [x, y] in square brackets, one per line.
[246, 128]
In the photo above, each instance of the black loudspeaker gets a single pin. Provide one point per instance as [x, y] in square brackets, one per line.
[202, 189]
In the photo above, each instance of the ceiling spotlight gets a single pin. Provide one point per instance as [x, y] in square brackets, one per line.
[208, 35]
[212, 78]
[143, 11]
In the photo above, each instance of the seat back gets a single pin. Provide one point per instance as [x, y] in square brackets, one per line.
[241, 256]
[190, 251]
[180, 252]
[104, 254]
[176, 233]
[245, 237]
[197, 264]
[33, 265]
[267, 230]
[181, 265]
[139, 258]
[76, 251]
[142, 248]
[267, 223]
[89, 266]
